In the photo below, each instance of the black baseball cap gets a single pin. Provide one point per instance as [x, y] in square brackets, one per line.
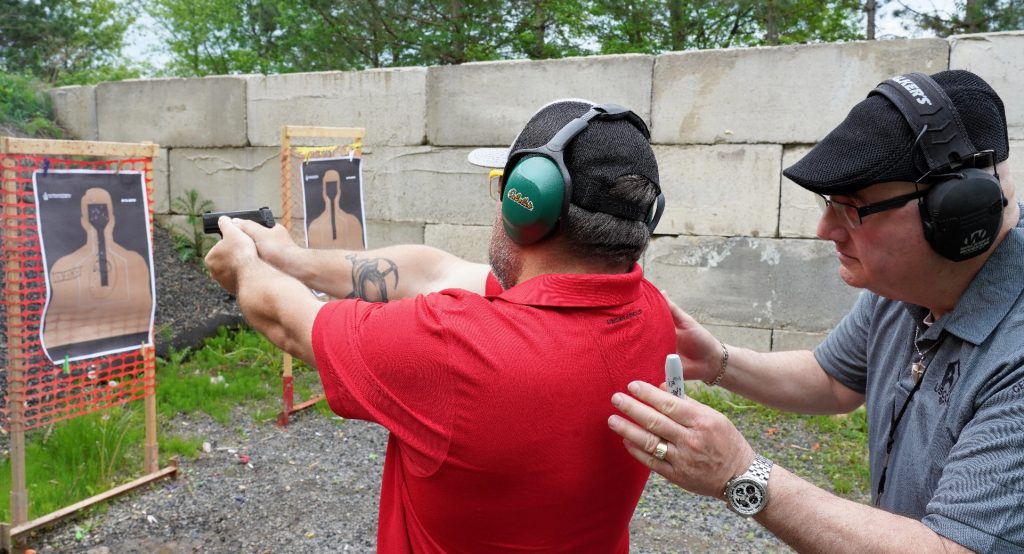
[875, 143]
[606, 150]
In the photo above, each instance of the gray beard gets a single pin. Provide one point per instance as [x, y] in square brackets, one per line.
[504, 256]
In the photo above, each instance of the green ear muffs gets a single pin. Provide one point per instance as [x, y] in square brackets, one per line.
[532, 201]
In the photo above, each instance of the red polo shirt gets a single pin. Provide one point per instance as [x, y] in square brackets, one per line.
[497, 407]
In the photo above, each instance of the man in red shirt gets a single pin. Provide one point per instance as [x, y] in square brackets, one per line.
[496, 404]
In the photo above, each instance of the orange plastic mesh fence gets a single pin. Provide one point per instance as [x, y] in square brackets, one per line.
[35, 391]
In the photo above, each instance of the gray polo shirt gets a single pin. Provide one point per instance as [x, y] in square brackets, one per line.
[957, 461]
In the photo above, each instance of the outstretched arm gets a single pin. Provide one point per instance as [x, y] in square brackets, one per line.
[791, 381]
[273, 303]
[705, 450]
[378, 275]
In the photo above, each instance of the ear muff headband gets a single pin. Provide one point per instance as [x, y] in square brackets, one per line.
[542, 182]
[962, 213]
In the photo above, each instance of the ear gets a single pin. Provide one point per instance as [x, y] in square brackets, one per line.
[531, 202]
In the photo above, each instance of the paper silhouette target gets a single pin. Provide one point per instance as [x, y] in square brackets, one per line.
[94, 233]
[332, 199]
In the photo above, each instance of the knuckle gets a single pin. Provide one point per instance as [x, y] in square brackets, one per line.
[651, 423]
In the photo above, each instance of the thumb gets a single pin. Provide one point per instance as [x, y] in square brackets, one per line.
[228, 228]
[679, 317]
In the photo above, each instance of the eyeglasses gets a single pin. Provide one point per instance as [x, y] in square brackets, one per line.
[494, 183]
[852, 215]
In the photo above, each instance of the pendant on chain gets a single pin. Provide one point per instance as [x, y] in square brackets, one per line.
[917, 370]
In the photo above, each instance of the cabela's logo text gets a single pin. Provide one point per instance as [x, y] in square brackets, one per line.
[517, 197]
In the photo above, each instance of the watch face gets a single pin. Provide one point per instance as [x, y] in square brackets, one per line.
[747, 496]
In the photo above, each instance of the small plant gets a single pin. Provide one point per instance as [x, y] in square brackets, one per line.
[192, 205]
[25, 107]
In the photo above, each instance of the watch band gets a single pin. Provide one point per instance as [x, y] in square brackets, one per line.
[747, 493]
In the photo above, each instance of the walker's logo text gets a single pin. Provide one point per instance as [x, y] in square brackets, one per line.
[913, 89]
[56, 196]
[977, 240]
[949, 379]
[517, 197]
[623, 317]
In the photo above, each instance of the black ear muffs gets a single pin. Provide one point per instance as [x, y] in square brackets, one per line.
[962, 212]
[537, 187]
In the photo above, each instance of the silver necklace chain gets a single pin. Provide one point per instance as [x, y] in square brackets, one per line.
[918, 368]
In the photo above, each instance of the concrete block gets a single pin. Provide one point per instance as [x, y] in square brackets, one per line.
[196, 113]
[389, 103]
[720, 190]
[161, 182]
[75, 111]
[426, 184]
[175, 223]
[783, 340]
[232, 178]
[767, 283]
[487, 103]
[380, 233]
[784, 94]
[800, 211]
[999, 59]
[469, 242]
[1016, 162]
[759, 340]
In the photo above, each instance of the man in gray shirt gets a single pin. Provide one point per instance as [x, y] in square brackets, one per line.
[918, 201]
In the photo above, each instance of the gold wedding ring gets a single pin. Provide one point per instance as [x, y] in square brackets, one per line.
[661, 450]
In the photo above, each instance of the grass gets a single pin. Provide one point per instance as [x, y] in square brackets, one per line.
[829, 451]
[84, 456]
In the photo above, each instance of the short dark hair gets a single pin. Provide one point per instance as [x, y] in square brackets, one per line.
[613, 240]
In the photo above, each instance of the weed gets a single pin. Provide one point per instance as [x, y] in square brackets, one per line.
[192, 246]
[25, 107]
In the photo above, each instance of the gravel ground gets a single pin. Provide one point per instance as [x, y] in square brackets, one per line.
[313, 486]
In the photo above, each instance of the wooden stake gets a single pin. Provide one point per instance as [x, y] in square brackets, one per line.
[15, 348]
[151, 459]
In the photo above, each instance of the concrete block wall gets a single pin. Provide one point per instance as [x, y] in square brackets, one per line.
[736, 246]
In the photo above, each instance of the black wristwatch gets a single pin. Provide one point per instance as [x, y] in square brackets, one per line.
[747, 493]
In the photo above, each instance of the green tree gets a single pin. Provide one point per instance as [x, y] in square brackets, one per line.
[216, 37]
[969, 16]
[65, 41]
[654, 26]
[547, 29]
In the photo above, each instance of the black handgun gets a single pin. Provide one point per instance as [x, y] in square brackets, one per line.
[263, 216]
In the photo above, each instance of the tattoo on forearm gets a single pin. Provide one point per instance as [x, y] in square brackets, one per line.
[371, 278]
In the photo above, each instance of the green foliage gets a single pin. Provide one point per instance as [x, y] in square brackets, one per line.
[64, 41]
[265, 36]
[233, 368]
[78, 458]
[192, 246]
[655, 26]
[970, 16]
[25, 107]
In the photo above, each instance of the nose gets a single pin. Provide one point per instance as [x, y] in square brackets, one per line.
[831, 226]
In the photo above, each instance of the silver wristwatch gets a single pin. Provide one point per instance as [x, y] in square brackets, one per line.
[747, 493]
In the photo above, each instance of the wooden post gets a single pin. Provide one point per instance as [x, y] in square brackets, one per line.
[151, 459]
[287, 132]
[15, 354]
